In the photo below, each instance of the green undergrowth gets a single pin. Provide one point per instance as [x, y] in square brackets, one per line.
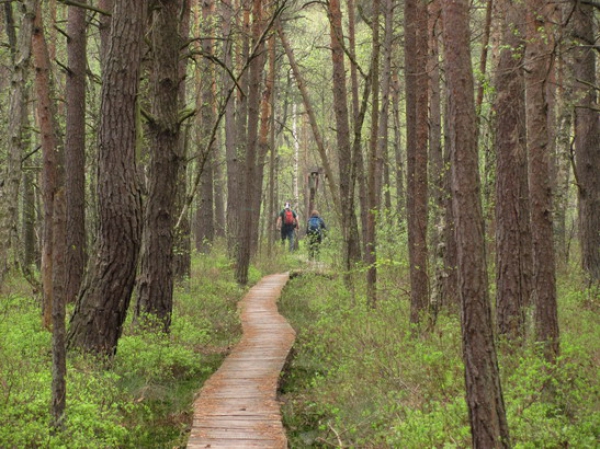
[144, 400]
[360, 379]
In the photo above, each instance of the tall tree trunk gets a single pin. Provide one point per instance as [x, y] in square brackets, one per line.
[513, 232]
[340, 106]
[205, 213]
[538, 63]
[487, 415]
[53, 171]
[398, 154]
[417, 140]
[231, 154]
[155, 281]
[254, 81]
[75, 150]
[373, 169]
[55, 238]
[97, 322]
[182, 258]
[436, 158]
[587, 139]
[21, 52]
[266, 121]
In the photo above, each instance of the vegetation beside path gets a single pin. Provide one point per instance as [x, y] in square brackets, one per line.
[358, 378]
[145, 399]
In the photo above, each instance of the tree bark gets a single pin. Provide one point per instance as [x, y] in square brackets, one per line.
[97, 322]
[53, 155]
[75, 150]
[205, 77]
[373, 167]
[489, 428]
[155, 281]
[417, 158]
[254, 82]
[513, 232]
[340, 106]
[587, 140]
[21, 52]
[538, 63]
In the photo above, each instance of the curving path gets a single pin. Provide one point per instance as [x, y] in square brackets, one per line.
[237, 407]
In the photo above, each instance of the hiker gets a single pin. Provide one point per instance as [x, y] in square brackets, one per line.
[315, 228]
[287, 223]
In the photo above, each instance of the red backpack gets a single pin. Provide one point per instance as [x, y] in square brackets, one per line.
[288, 217]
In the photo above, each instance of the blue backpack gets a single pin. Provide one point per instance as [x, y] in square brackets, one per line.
[314, 225]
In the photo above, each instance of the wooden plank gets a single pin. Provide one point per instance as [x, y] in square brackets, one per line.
[237, 407]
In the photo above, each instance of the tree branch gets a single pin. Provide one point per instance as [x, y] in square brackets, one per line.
[84, 6]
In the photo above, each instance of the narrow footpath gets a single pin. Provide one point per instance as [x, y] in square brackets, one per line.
[237, 407]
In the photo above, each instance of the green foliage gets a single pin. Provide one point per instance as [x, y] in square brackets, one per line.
[360, 378]
[144, 398]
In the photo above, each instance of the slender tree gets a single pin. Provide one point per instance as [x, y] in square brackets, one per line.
[415, 17]
[75, 149]
[256, 67]
[487, 415]
[374, 168]
[53, 156]
[342, 117]
[97, 321]
[205, 76]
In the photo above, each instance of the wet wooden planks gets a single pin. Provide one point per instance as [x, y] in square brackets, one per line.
[238, 408]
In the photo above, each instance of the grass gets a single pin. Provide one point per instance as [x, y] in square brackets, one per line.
[358, 378]
[145, 399]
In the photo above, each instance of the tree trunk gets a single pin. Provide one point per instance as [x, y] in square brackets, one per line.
[53, 171]
[205, 76]
[97, 322]
[231, 156]
[538, 62]
[436, 157]
[417, 140]
[487, 414]
[374, 160]
[155, 282]
[587, 140]
[340, 106]
[266, 121]
[513, 231]
[21, 51]
[75, 150]
[182, 258]
[254, 82]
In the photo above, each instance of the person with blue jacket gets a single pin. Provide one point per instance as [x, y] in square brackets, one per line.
[315, 230]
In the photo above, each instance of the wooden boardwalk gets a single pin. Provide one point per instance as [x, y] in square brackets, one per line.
[237, 407]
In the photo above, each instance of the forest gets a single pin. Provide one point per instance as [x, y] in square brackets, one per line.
[451, 146]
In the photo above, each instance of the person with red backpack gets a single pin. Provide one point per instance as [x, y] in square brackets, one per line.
[287, 223]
